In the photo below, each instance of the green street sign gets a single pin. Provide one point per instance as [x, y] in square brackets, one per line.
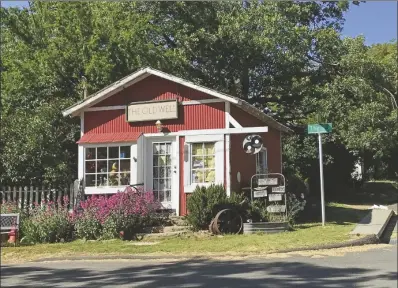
[319, 128]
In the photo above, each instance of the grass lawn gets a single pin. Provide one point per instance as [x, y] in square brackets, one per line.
[190, 244]
[341, 220]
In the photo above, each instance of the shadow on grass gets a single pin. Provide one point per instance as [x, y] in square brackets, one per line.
[379, 193]
[334, 214]
[193, 273]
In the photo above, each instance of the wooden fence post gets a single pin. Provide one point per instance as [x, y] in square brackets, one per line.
[14, 195]
[25, 198]
[31, 197]
[71, 205]
[20, 197]
[3, 194]
[43, 196]
[49, 193]
[36, 199]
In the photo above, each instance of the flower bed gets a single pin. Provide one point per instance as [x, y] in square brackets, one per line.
[120, 216]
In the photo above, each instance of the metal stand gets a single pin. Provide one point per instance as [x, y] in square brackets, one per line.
[264, 187]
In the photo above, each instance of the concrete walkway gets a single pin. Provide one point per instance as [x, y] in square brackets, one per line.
[373, 223]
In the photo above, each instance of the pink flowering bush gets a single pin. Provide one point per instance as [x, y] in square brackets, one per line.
[98, 217]
[9, 207]
[121, 215]
[47, 222]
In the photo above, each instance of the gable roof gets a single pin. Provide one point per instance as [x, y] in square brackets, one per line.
[141, 74]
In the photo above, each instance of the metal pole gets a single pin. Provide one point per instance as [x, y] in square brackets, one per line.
[321, 175]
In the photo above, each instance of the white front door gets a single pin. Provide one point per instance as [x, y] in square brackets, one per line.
[161, 172]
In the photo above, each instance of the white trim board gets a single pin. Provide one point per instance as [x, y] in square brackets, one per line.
[80, 151]
[228, 148]
[204, 138]
[211, 132]
[184, 103]
[178, 175]
[203, 101]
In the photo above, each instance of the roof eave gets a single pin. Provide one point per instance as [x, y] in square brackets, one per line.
[264, 117]
[106, 92]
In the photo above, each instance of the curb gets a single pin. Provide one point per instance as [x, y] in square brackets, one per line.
[370, 239]
[393, 242]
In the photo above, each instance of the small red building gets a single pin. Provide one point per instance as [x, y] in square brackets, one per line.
[170, 135]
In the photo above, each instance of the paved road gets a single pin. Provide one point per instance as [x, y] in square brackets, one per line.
[374, 268]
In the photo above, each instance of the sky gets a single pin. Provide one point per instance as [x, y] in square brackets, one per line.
[376, 20]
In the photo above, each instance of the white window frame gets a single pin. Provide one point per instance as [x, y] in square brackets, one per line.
[263, 154]
[111, 189]
[189, 187]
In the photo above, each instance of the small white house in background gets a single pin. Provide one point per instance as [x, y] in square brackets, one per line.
[170, 135]
[357, 174]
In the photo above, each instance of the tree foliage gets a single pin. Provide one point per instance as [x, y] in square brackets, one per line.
[286, 56]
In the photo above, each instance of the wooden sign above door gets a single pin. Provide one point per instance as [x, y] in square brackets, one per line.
[152, 110]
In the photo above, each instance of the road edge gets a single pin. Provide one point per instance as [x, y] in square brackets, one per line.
[369, 239]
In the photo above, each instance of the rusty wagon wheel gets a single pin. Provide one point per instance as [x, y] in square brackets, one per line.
[227, 221]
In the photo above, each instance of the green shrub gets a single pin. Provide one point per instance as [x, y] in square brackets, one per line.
[297, 186]
[294, 207]
[205, 202]
[257, 211]
[47, 223]
[87, 226]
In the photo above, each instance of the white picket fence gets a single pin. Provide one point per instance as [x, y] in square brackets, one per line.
[26, 196]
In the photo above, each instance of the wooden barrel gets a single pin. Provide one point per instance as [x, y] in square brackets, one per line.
[265, 227]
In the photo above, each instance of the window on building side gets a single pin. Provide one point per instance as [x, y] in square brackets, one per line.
[107, 166]
[203, 168]
[261, 162]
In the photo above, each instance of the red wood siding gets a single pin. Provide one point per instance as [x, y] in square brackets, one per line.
[246, 164]
[191, 117]
[153, 88]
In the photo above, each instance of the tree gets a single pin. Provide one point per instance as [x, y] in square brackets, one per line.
[47, 49]
[287, 56]
[361, 98]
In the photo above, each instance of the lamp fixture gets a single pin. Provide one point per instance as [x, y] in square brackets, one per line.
[159, 125]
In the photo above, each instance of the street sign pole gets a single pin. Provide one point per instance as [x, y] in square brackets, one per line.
[321, 176]
[320, 129]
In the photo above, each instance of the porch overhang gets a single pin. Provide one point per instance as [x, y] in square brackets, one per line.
[109, 138]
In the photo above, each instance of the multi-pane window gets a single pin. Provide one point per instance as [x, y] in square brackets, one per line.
[203, 168]
[107, 166]
[162, 171]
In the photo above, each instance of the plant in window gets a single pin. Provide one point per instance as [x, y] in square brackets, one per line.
[113, 181]
[203, 163]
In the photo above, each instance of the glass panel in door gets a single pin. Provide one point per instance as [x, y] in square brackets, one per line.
[161, 171]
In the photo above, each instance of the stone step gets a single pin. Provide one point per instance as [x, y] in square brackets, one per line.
[174, 228]
[166, 234]
[177, 220]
